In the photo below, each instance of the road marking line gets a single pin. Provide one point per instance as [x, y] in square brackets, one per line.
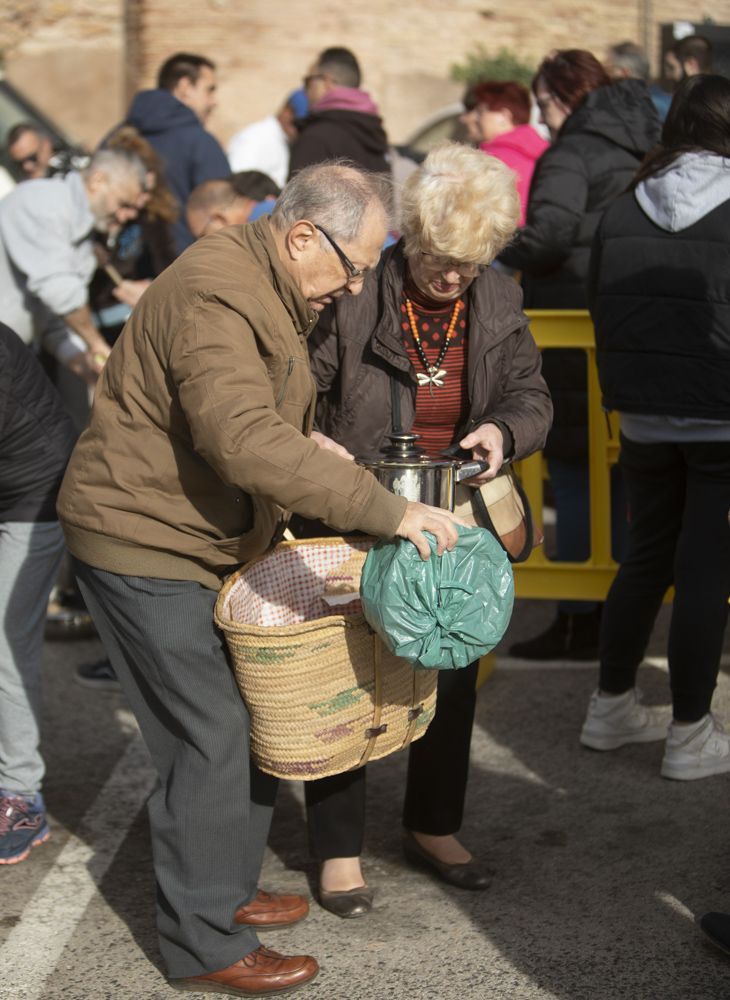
[34, 946]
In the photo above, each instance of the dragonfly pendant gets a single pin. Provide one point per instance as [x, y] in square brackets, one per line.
[434, 376]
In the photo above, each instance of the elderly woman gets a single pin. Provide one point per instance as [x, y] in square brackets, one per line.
[436, 344]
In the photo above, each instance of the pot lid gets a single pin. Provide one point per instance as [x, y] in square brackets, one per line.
[403, 452]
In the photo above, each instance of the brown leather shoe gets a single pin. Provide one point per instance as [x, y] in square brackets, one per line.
[268, 911]
[263, 973]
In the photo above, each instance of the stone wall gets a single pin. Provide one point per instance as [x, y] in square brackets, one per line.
[67, 55]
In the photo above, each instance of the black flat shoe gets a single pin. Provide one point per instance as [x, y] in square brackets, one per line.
[348, 902]
[464, 876]
[717, 928]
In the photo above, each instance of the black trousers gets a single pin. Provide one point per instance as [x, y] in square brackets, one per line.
[679, 502]
[211, 810]
[438, 768]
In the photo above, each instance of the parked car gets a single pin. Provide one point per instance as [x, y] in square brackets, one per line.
[441, 125]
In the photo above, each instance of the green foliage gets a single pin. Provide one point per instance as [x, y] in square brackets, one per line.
[481, 65]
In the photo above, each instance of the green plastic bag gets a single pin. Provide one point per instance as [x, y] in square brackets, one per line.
[443, 613]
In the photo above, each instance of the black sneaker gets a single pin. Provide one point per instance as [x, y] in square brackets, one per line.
[570, 637]
[717, 928]
[99, 675]
[67, 618]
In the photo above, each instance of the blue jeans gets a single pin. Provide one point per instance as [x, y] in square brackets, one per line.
[30, 555]
[570, 486]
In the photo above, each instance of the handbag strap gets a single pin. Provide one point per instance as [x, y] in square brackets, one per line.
[483, 511]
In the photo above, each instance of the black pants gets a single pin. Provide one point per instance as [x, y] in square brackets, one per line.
[211, 810]
[438, 768]
[678, 501]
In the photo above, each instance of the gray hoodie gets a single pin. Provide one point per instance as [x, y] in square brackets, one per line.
[674, 199]
[685, 191]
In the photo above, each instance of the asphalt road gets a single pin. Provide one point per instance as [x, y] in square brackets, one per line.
[601, 866]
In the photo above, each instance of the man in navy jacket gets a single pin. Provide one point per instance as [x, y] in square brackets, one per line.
[172, 119]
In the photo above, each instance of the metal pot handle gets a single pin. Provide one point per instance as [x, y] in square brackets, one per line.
[469, 469]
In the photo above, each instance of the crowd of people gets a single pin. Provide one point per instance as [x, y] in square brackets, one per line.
[248, 322]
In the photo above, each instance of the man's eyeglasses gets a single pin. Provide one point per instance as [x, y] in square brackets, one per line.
[446, 264]
[353, 273]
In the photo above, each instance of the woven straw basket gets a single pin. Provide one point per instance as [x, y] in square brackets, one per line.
[324, 694]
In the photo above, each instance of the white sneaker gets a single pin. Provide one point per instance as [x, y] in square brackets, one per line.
[613, 721]
[696, 751]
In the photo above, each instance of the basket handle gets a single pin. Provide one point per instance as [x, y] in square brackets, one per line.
[377, 729]
[417, 707]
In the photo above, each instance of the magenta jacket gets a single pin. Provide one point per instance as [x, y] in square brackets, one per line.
[520, 149]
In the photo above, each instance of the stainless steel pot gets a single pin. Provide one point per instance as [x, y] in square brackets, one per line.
[404, 470]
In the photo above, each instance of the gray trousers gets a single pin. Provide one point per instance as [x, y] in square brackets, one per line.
[210, 812]
[30, 555]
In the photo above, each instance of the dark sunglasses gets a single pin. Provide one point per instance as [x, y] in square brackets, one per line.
[353, 272]
[30, 158]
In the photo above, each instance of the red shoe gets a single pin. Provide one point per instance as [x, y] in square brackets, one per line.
[262, 973]
[268, 911]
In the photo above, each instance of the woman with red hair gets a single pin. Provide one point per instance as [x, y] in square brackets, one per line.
[497, 118]
[601, 132]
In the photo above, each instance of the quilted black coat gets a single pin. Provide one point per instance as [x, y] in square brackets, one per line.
[591, 162]
[36, 435]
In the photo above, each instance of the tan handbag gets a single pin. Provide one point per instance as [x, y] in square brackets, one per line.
[501, 507]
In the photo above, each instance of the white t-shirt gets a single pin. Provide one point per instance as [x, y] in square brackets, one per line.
[261, 146]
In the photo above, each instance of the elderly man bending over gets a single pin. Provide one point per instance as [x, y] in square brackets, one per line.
[199, 440]
[47, 255]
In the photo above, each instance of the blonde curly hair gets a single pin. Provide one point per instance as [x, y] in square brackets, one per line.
[461, 203]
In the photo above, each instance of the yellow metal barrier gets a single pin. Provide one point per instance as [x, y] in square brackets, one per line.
[540, 576]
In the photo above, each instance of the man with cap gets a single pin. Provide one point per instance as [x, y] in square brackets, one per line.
[265, 145]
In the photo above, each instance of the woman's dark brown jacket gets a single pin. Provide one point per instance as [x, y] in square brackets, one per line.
[357, 349]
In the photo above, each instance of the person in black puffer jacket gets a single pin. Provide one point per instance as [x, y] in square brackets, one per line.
[660, 297]
[36, 439]
[602, 131]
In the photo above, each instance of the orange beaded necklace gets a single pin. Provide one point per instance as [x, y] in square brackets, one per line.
[434, 374]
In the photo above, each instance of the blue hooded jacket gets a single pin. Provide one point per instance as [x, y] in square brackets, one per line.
[190, 154]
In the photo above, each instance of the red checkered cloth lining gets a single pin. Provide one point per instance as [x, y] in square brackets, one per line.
[286, 586]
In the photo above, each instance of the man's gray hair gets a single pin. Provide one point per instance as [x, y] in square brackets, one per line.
[335, 194]
[118, 164]
[631, 57]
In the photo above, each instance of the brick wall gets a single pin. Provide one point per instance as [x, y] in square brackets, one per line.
[67, 55]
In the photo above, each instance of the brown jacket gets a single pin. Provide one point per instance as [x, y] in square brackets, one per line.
[196, 444]
[357, 352]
